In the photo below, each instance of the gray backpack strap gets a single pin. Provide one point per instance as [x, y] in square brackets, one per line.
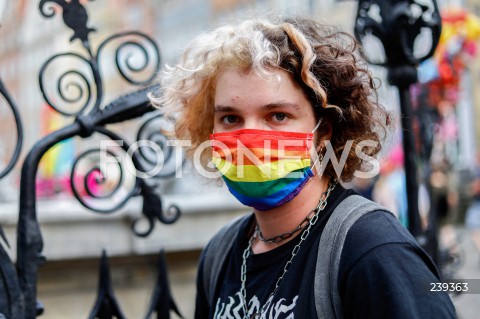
[327, 297]
[216, 253]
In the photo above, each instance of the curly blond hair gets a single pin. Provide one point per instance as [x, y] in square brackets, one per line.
[324, 61]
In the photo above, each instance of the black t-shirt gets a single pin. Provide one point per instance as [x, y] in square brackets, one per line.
[382, 274]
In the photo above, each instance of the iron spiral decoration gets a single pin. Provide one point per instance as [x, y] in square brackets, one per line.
[79, 93]
[79, 88]
[160, 152]
[74, 86]
[139, 47]
[113, 176]
[93, 182]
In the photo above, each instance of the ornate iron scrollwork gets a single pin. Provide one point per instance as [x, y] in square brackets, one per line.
[75, 86]
[82, 85]
[402, 20]
[74, 16]
[79, 93]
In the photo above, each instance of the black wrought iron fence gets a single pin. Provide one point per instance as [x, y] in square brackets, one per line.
[86, 107]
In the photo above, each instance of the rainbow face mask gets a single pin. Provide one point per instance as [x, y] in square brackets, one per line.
[263, 169]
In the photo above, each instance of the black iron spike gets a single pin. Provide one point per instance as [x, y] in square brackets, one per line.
[162, 300]
[106, 305]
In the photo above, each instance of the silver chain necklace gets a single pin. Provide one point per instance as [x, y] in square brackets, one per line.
[246, 253]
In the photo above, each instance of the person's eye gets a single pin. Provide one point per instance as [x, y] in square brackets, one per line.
[279, 117]
[230, 119]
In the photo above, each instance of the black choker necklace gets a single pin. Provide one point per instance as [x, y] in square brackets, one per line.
[284, 236]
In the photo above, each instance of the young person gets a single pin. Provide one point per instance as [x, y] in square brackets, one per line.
[290, 110]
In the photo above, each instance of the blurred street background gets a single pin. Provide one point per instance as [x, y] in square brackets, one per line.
[446, 114]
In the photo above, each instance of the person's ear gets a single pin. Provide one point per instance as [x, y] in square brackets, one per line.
[324, 133]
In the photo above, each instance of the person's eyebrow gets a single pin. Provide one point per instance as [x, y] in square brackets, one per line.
[278, 105]
[224, 109]
[267, 107]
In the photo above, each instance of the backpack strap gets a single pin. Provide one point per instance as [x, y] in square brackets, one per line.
[216, 252]
[327, 297]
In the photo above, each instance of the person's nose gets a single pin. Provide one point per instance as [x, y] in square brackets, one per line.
[255, 124]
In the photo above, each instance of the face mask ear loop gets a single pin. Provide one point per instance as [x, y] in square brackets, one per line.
[319, 157]
[317, 126]
[319, 160]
